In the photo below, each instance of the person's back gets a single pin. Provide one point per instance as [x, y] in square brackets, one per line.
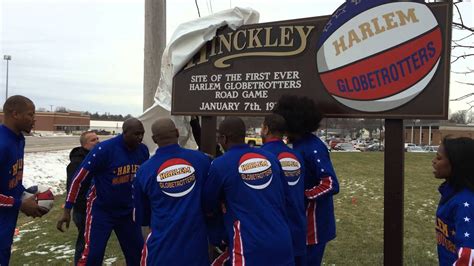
[302, 117]
[292, 166]
[170, 183]
[291, 162]
[252, 186]
[321, 184]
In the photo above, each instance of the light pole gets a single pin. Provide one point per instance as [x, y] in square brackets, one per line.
[8, 58]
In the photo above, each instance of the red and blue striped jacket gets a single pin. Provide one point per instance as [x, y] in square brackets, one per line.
[455, 226]
[320, 185]
[113, 169]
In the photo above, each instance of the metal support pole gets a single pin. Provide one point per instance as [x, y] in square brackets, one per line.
[6, 89]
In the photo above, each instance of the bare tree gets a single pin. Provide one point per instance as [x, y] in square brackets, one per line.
[459, 117]
[461, 48]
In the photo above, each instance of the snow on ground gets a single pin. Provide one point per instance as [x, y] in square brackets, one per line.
[46, 168]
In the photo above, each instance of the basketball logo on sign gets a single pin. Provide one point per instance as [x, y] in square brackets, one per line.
[255, 170]
[376, 55]
[176, 177]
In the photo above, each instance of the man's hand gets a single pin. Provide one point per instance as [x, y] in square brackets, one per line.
[66, 218]
[30, 207]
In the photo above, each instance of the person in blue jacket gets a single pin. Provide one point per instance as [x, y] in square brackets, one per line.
[251, 184]
[272, 131]
[19, 116]
[455, 214]
[168, 192]
[302, 117]
[112, 165]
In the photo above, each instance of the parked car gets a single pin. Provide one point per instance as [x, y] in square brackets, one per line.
[334, 142]
[253, 141]
[348, 147]
[414, 149]
[361, 146]
[431, 148]
[375, 147]
[409, 145]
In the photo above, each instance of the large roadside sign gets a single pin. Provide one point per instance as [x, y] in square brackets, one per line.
[373, 59]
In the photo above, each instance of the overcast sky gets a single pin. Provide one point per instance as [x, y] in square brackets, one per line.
[87, 55]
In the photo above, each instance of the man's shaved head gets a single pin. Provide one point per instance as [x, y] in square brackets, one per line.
[16, 103]
[131, 123]
[233, 128]
[19, 114]
[133, 132]
[164, 132]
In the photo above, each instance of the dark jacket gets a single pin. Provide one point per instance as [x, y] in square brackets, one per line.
[76, 156]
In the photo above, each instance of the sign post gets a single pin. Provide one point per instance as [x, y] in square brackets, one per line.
[394, 180]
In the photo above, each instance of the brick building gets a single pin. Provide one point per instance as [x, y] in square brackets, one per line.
[433, 133]
[67, 122]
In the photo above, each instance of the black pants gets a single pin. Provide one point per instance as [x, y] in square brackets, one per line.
[79, 219]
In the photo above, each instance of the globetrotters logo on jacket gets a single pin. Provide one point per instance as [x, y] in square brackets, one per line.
[176, 177]
[255, 170]
[376, 55]
[291, 167]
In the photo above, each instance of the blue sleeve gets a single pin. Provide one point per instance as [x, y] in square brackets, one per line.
[142, 209]
[286, 191]
[6, 201]
[207, 160]
[464, 224]
[94, 161]
[464, 227]
[146, 152]
[212, 190]
[320, 162]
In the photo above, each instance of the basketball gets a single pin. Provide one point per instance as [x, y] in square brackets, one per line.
[376, 55]
[44, 196]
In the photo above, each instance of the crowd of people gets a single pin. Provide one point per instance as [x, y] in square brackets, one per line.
[257, 206]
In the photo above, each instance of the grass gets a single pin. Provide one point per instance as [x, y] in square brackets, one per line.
[359, 210]
[39, 241]
[359, 215]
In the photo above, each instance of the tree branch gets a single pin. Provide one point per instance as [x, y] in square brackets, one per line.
[457, 57]
[466, 83]
[462, 27]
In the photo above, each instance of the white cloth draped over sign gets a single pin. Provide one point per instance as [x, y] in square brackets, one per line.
[186, 41]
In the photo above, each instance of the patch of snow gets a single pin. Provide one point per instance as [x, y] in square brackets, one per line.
[110, 261]
[46, 168]
[27, 254]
